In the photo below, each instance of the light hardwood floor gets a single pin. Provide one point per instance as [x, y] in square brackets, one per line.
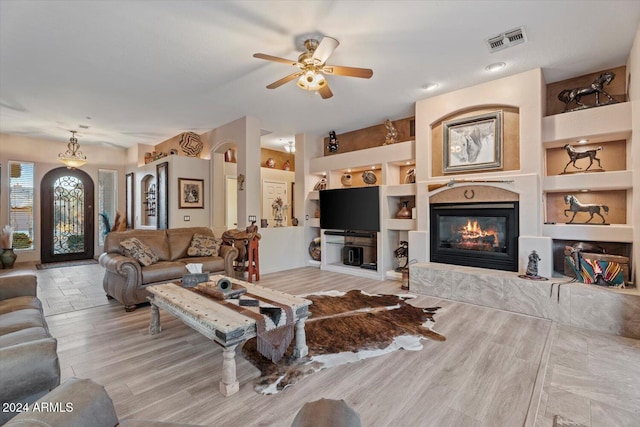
[495, 369]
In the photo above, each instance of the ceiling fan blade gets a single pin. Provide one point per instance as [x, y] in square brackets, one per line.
[275, 58]
[325, 92]
[284, 80]
[325, 49]
[338, 70]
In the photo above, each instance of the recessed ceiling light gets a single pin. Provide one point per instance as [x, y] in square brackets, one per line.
[349, 170]
[408, 162]
[373, 167]
[584, 191]
[430, 86]
[495, 67]
[583, 141]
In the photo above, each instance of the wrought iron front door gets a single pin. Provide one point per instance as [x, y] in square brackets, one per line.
[67, 215]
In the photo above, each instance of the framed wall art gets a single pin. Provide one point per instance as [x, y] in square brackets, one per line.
[473, 143]
[191, 193]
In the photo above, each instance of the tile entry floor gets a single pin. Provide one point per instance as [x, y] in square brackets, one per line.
[67, 289]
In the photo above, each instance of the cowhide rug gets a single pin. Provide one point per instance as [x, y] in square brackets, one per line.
[344, 328]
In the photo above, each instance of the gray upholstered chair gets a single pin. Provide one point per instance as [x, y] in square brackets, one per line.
[29, 366]
[326, 413]
[80, 403]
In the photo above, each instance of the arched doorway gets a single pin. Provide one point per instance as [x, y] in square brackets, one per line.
[66, 208]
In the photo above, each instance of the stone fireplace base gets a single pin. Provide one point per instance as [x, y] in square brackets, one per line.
[584, 306]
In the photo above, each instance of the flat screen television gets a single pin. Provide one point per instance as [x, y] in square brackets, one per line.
[350, 209]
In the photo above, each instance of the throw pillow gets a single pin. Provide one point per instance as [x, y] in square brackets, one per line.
[202, 245]
[139, 251]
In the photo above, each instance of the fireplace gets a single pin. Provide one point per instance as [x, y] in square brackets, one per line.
[475, 234]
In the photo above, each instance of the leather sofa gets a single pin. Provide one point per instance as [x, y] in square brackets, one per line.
[125, 279]
[29, 366]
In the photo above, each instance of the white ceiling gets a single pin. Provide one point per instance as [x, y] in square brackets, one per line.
[144, 71]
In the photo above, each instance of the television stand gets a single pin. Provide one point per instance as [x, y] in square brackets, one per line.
[348, 233]
[353, 252]
[369, 266]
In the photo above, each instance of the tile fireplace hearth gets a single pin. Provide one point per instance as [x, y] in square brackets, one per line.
[584, 306]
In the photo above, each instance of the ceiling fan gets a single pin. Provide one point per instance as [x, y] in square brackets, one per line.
[312, 65]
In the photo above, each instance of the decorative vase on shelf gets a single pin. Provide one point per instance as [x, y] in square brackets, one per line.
[404, 212]
[8, 258]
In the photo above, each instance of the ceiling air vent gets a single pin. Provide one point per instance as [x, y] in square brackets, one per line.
[507, 39]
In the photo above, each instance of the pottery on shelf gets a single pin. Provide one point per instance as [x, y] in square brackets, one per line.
[8, 258]
[271, 163]
[404, 212]
[369, 177]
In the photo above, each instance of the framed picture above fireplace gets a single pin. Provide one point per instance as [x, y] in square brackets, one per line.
[473, 143]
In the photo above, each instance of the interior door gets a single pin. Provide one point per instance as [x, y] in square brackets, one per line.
[67, 226]
[231, 206]
[270, 191]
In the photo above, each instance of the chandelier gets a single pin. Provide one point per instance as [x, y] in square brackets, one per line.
[73, 157]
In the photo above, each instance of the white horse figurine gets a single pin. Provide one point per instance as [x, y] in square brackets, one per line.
[575, 206]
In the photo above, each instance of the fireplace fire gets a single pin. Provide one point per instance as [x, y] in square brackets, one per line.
[474, 238]
[475, 234]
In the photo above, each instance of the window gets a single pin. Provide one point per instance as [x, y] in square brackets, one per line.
[107, 201]
[21, 204]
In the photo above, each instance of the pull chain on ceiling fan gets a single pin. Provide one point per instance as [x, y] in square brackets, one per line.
[312, 65]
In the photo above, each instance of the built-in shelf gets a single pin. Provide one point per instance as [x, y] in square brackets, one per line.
[352, 270]
[401, 224]
[597, 233]
[357, 159]
[618, 180]
[401, 190]
[393, 275]
[609, 122]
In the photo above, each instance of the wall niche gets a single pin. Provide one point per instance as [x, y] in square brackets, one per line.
[615, 200]
[617, 89]
[510, 138]
[612, 155]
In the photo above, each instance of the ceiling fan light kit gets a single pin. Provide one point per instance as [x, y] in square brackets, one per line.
[312, 65]
[311, 80]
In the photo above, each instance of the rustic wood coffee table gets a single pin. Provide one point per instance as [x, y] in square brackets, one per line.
[222, 324]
